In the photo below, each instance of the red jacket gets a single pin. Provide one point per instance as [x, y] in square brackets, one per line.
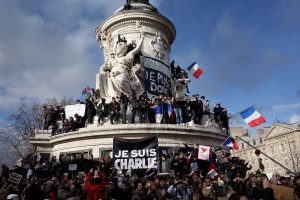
[95, 192]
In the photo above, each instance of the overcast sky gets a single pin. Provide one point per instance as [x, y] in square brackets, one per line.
[249, 51]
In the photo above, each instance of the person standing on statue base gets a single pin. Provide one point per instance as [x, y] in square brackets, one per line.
[177, 104]
[133, 106]
[200, 107]
[143, 108]
[90, 110]
[102, 109]
[114, 111]
[124, 105]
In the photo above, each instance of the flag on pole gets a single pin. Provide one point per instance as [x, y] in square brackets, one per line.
[230, 142]
[252, 117]
[195, 69]
[86, 90]
[203, 152]
[169, 109]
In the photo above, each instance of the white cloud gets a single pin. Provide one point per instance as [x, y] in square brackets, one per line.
[49, 50]
[286, 107]
[295, 118]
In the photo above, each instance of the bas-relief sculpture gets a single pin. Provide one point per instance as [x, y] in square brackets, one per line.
[159, 46]
[120, 74]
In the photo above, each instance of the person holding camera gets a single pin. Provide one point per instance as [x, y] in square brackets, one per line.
[95, 184]
[180, 190]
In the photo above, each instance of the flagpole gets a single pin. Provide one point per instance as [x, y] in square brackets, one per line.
[278, 163]
[191, 64]
[224, 141]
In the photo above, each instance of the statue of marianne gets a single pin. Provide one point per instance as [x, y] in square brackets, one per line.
[118, 73]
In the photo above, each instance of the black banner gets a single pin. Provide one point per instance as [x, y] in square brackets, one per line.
[156, 82]
[136, 155]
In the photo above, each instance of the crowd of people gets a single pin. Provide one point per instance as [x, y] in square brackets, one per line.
[123, 109]
[179, 176]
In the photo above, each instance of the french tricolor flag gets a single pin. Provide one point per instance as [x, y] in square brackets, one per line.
[195, 69]
[252, 117]
[230, 142]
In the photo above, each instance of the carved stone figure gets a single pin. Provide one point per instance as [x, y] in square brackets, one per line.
[159, 46]
[119, 74]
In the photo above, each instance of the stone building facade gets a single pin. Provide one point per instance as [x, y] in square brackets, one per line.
[281, 142]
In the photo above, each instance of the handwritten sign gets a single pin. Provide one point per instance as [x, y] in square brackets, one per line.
[15, 178]
[71, 110]
[72, 167]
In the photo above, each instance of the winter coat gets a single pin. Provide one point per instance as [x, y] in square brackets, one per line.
[95, 191]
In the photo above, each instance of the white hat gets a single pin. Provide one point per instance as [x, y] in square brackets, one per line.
[13, 197]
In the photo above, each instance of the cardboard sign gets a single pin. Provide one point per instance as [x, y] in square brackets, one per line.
[71, 110]
[194, 166]
[221, 157]
[203, 152]
[72, 167]
[15, 178]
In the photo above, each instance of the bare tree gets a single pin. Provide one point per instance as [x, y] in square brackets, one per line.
[17, 142]
[27, 119]
[24, 122]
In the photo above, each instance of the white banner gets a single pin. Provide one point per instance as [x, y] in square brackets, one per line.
[71, 110]
[203, 152]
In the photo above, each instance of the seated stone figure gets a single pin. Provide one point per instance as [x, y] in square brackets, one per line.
[119, 74]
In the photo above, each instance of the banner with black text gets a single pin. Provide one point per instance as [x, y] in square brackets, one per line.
[135, 155]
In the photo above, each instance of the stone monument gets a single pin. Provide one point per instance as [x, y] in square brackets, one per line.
[136, 41]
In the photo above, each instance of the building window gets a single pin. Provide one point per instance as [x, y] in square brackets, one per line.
[282, 147]
[286, 160]
[242, 145]
[260, 140]
[105, 153]
[272, 150]
[293, 144]
[267, 163]
[254, 142]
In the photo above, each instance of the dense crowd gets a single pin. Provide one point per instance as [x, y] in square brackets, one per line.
[180, 175]
[174, 110]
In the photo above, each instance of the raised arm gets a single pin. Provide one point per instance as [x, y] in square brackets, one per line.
[138, 46]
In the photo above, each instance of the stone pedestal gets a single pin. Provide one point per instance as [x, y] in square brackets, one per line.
[95, 139]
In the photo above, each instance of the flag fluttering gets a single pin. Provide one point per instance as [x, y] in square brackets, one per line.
[252, 117]
[86, 90]
[169, 109]
[230, 142]
[158, 113]
[195, 70]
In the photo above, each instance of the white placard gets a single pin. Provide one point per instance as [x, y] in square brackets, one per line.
[71, 110]
[72, 167]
